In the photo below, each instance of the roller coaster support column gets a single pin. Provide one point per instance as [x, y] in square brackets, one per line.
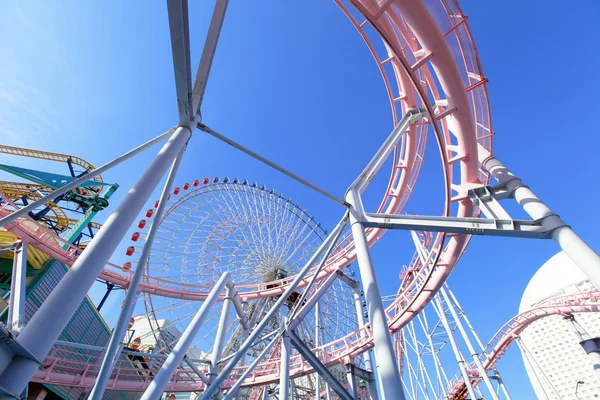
[589, 344]
[220, 337]
[115, 345]
[284, 366]
[40, 333]
[18, 287]
[352, 384]
[162, 378]
[234, 390]
[317, 344]
[390, 384]
[467, 340]
[577, 250]
[360, 316]
[439, 309]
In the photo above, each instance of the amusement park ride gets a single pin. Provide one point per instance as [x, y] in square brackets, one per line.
[305, 326]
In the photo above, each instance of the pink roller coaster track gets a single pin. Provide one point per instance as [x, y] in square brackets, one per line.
[563, 305]
[435, 66]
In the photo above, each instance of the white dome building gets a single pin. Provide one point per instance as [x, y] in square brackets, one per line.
[557, 366]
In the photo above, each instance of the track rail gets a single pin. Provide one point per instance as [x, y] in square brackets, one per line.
[46, 155]
[560, 305]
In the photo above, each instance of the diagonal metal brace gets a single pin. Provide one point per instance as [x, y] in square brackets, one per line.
[321, 369]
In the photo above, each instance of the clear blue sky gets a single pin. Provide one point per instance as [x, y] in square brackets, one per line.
[294, 81]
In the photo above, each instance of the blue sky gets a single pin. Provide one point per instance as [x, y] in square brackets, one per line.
[295, 82]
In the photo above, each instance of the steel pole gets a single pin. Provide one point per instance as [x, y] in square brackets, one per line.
[234, 390]
[439, 309]
[467, 340]
[160, 381]
[75, 183]
[284, 366]
[47, 323]
[220, 337]
[18, 288]
[573, 246]
[352, 384]
[390, 384]
[360, 317]
[590, 346]
[527, 362]
[317, 344]
[115, 345]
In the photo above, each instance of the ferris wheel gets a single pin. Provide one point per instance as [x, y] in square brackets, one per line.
[260, 237]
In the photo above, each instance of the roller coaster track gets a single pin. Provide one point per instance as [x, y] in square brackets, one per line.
[33, 191]
[46, 155]
[560, 305]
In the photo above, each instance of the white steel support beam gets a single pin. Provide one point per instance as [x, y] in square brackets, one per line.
[180, 47]
[43, 328]
[365, 177]
[162, 378]
[579, 251]
[115, 345]
[194, 368]
[527, 358]
[82, 179]
[233, 391]
[18, 288]
[589, 344]
[317, 344]
[367, 355]
[324, 249]
[320, 291]
[284, 366]
[271, 164]
[390, 383]
[220, 337]
[474, 354]
[239, 309]
[476, 336]
[439, 309]
[442, 379]
[469, 226]
[321, 369]
[352, 384]
[208, 54]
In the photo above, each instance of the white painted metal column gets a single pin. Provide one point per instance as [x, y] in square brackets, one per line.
[18, 288]
[43, 328]
[162, 378]
[467, 340]
[390, 384]
[317, 344]
[220, 337]
[284, 366]
[439, 309]
[352, 384]
[360, 316]
[591, 346]
[115, 345]
[577, 250]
